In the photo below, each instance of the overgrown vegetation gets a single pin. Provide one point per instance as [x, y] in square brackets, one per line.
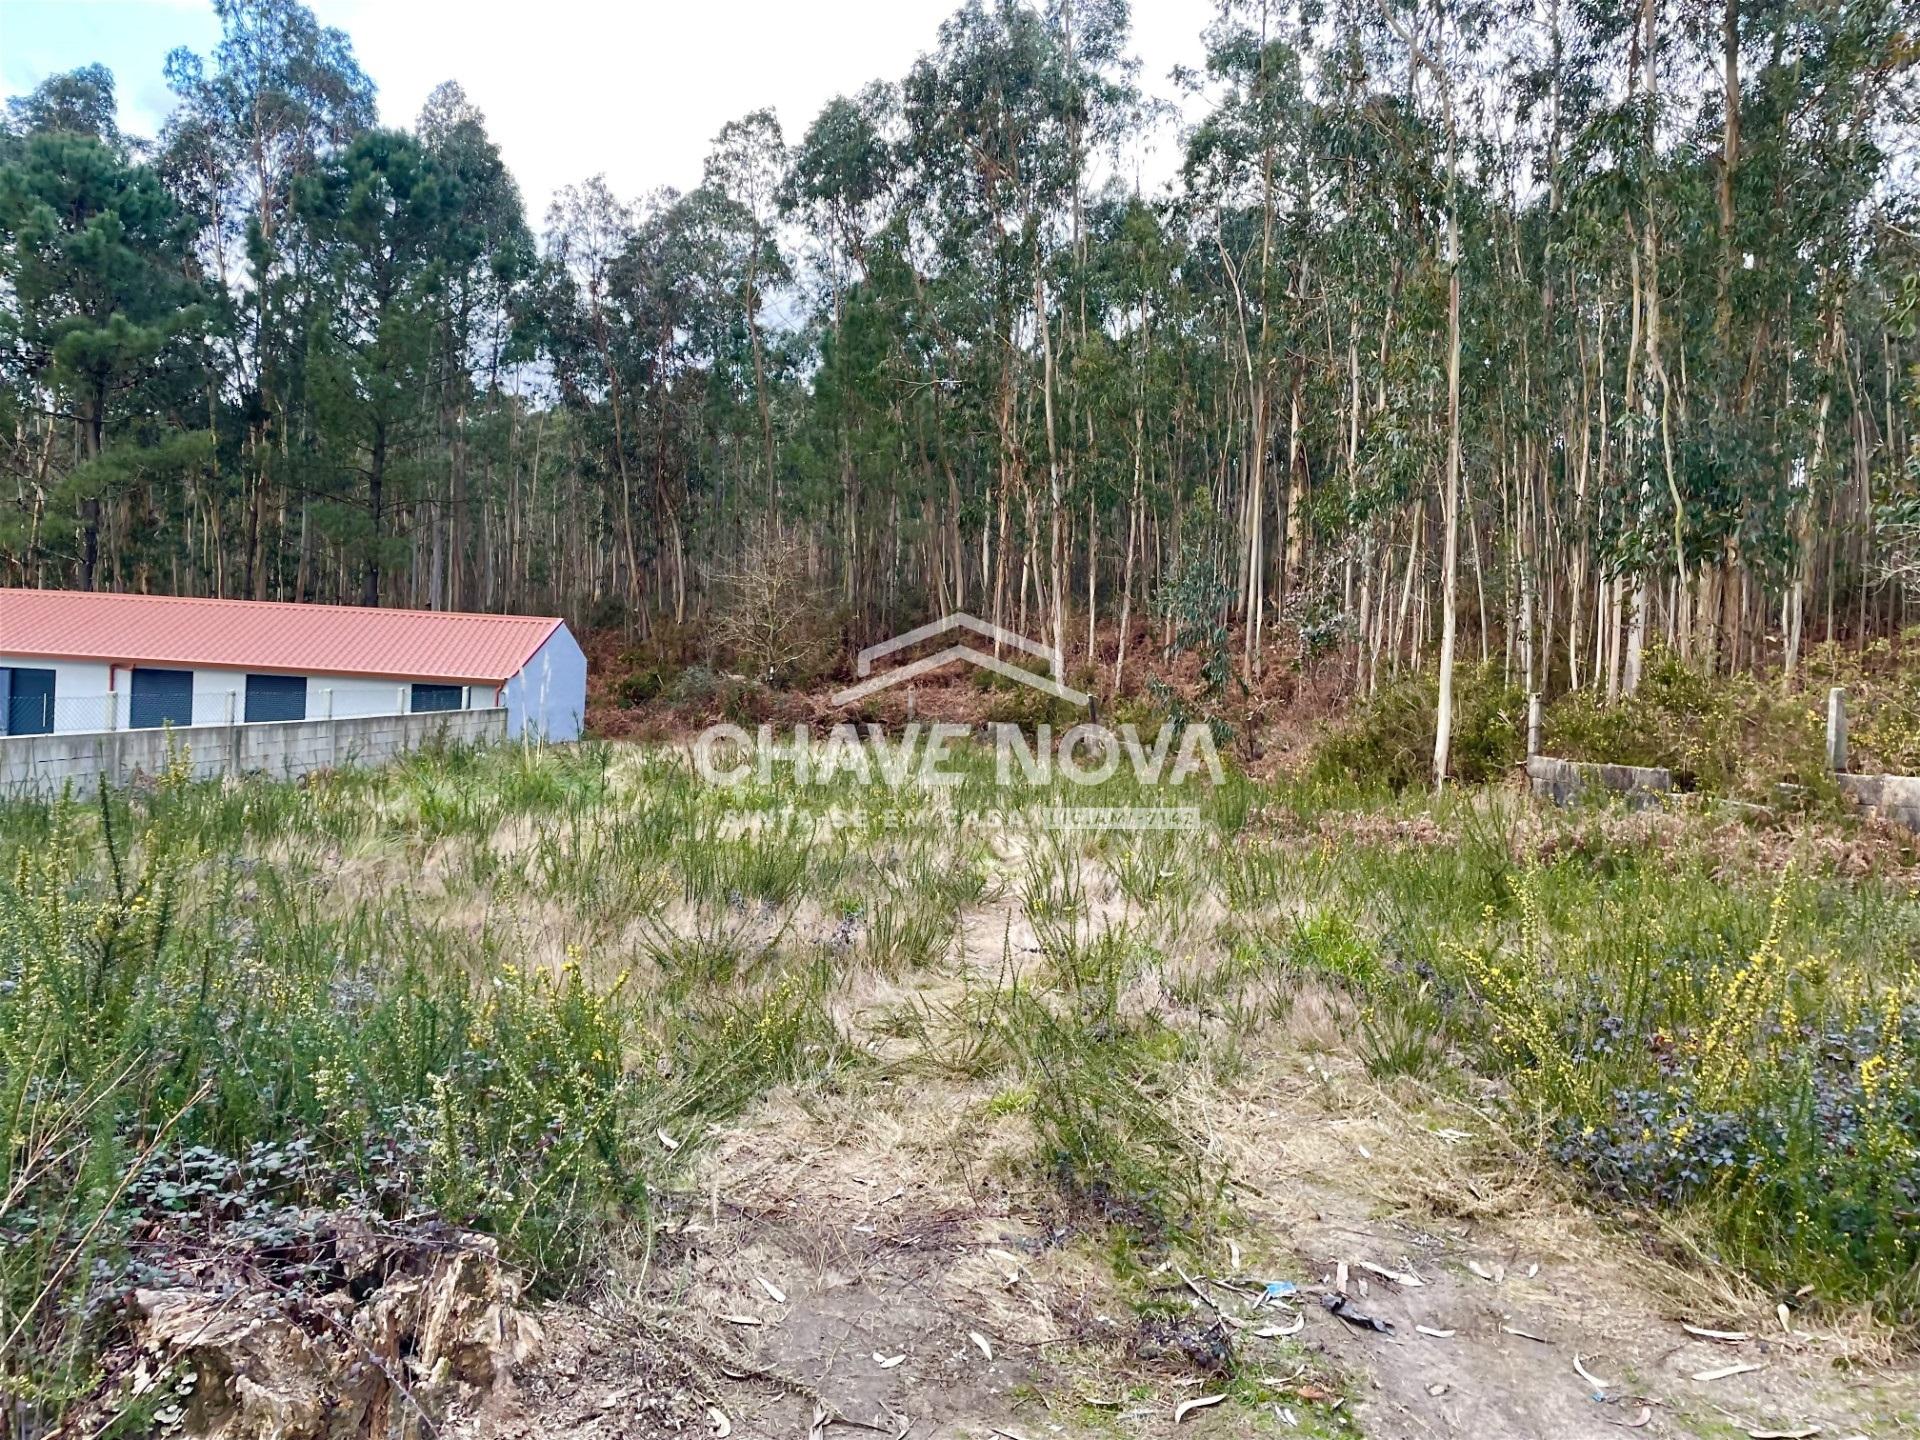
[1754, 1059]
[1739, 1056]
[1736, 736]
[1388, 740]
[202, 1049]
[512, 993]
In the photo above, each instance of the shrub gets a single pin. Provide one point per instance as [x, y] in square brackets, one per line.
[651, 669]
[1738, 1075]
[201, 1049]
[1389, 738]
[770, 617]
[1734, 736]
[694, 685]
[171, 1054]
[643, 684]
[1027, 708]
[1326, 944]
[1883, 700]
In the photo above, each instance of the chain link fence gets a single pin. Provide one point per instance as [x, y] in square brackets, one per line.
[44, 714]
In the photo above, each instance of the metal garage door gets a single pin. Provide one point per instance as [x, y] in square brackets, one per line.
[276, 697]
[29, 702]
[161, 697]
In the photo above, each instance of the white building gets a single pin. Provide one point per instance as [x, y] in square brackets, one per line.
[87, 660]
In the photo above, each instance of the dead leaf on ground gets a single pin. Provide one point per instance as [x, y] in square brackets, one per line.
[1399, 1277]
[1732, 1337]
[1725, 1370]
[1199, 1402]
[1587, 1375]
[1274, 1332]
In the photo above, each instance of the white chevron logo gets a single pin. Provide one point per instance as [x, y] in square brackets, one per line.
[959, 620]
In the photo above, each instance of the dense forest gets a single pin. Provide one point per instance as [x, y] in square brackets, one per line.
[1547, 330]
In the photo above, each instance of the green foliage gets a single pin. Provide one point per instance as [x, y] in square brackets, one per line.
[1734, 736]
[1402, 1035]
[657, 667]
[1198, 600]
[1388, 740]
[1731, 1048]
[1326, 945]
[198, 1046]
[1883, 701]
[1706, 1051]
[1097, 1079]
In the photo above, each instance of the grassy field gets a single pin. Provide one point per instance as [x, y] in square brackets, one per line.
[564, 998]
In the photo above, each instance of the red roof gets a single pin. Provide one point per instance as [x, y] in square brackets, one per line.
[267, 635]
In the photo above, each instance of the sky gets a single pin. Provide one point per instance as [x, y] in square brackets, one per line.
[633, 89]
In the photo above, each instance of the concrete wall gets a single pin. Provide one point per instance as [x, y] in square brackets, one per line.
[42, 764]
[1563, 781]
[1892, 797]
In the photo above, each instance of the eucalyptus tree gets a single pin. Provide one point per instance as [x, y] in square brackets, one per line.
[988, 143]
[743, 177]
[1249, 163]
[381, 222]
[841, 183]
[486, 256]
[1542, 330]
[75, 102]
[282, 93]
[587, 230]
[676, 294]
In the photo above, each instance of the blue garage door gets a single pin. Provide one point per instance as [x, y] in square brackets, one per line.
[276, 697]
[435, 697]
[29, 702]
[161, 697]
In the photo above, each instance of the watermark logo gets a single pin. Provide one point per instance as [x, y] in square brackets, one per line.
[1088, 754]
[1002, 638]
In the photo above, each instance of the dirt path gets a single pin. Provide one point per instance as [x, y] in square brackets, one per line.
[884, 1261]
[885, 1286]
[1526, 1291]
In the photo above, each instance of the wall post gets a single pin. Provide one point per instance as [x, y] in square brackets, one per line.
[1837, 729]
